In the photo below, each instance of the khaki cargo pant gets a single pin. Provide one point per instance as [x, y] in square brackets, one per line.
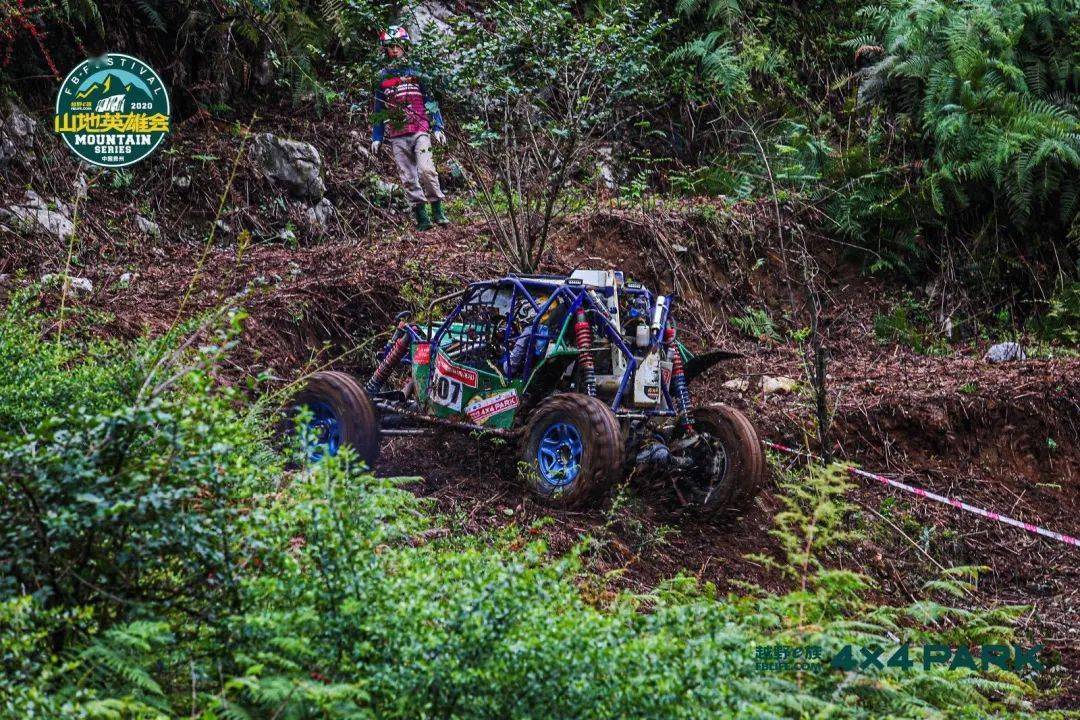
[416, 167]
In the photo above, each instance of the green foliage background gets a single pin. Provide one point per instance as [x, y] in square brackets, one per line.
[161, 556]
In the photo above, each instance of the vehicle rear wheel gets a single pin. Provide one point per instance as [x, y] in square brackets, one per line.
[342, 414]
[727, 465]
[573, 449]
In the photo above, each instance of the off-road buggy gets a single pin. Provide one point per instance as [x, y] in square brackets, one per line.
[584, 372]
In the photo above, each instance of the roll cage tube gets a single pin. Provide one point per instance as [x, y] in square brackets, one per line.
[481, 286]
[523, 288]
[556, 290]
[509, 337]
[442, 299]
[580, 295]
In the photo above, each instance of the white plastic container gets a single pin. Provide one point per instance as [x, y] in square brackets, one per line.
[642, 336]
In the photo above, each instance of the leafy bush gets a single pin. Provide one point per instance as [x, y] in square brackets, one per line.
[909, 323]
[1062, 320]
[979, 146]
[962, 156]
[215, 49]
[757, 323]
[121, 479]
[742, 53]
[989, 83]
[533, 91]
[40, 377]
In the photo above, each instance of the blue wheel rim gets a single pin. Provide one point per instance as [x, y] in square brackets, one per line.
[324, 432]
[558, 456]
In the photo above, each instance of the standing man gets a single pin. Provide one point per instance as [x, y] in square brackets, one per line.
[401, 116]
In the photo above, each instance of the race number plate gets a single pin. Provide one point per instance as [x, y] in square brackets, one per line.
[448, 383]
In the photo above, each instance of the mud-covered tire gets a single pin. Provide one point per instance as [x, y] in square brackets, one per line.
[556, 423]
[730, 493]
[341, 399]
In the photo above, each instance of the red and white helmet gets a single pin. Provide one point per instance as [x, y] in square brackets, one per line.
[394, 35]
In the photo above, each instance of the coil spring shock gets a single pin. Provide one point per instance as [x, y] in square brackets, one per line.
[678, 378]
[583, 338]
[397, 351]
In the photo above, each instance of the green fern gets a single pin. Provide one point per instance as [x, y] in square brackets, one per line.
[984, 96]
[727, 11]
[151, 14]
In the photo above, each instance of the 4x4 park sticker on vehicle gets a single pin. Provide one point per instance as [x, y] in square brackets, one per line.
[446, 383]
[482, 409]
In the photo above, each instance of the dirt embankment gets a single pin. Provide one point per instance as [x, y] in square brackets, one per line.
[1002, 437]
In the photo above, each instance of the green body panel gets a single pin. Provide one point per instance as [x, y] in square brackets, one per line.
[456, 391]
[420, 368]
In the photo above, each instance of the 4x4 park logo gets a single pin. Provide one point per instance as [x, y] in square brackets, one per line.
[112, 111]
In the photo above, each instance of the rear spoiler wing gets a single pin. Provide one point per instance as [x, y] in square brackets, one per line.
[695, 365]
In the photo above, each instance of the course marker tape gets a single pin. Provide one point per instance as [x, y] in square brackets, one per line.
[1067, 539]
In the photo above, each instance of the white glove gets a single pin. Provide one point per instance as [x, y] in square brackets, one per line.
[440, 137]
[375, 145]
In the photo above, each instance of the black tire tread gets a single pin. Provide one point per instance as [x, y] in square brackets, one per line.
[355, 411]
[749, 466]
[603, 454]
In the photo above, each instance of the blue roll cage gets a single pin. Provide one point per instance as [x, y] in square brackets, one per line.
[555, 287]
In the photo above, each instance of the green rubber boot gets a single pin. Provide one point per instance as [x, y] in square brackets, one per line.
[423, 220]
[438, 215]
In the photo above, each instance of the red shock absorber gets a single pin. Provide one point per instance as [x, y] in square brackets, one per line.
[583, 338]
[397, 351]
[678, 377]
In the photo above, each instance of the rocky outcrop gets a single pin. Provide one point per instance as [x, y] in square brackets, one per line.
[293, 165]
[16, 132]
[431, 18]
[1005, 352]
[34, 214]
[147, 227]
[605, 167]
[320, 216]
[78, 285]
[778, 385]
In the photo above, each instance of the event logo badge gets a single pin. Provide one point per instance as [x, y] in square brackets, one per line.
[112, 111]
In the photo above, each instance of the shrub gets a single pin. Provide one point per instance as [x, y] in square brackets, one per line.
[120, 484]
[907, 323]
[983, 94]
[1062, 320]
[214, 49]
[757, 323]
[39, 376]
[533, 90]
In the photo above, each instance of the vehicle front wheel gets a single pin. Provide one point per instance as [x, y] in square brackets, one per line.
[726, 463]
[341, 414]
[572, 449]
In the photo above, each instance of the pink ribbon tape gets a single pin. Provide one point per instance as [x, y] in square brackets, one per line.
[1060, 537]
